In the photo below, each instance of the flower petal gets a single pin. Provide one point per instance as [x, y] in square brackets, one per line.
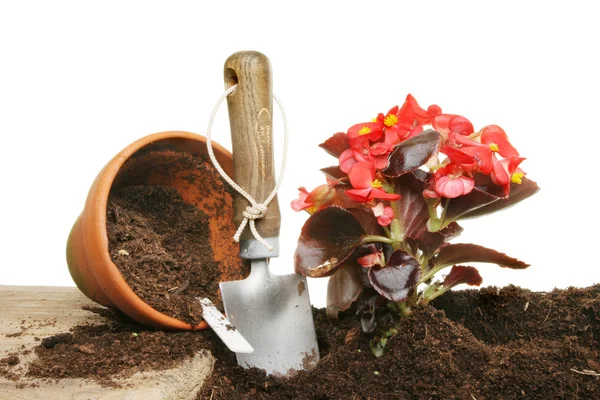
[457, 156]
[300, 203]
[362, 175]
[381, 194]
[387, 217]
[347, 160]
[449, 188]
[482, 155]
[461, 125]
[495, 134]
[499, 175]
[359, 195]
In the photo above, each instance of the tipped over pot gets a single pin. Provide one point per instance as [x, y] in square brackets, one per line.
[157, 159]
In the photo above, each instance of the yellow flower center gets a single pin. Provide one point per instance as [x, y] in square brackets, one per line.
[377, 184]
[390, 120]
[374, 119]
[494, 147]
[365, 130]
[516, 177]
[312, 209]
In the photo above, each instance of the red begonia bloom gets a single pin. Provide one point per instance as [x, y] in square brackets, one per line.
[320, 197]
[451, 183]
[384, 214]
[516, 174]
[366, 187]
[377, 154]
[376, 257]
[360, 134]
[450, 123]
[493, 140]
[410, 119]
[393, 126]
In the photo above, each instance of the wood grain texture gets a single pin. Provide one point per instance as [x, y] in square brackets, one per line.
[250, 117]
[46, 311]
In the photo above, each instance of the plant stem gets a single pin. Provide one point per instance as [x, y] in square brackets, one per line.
[387, 231]
[436, 294]
[376, 239]
[431, 273]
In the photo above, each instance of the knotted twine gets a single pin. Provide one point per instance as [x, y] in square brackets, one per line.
[255, 210]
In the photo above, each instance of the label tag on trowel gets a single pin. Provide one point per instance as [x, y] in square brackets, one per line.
[232, 338]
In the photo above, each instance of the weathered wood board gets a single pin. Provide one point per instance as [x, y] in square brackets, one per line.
[45, 311]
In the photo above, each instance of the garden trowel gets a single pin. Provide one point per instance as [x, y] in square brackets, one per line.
[224, 329]
[272, 312]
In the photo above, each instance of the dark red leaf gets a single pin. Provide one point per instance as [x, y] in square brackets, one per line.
[518, 193]
[335, 174]
[368, 301]
[412, 208]
[398, 278]
[336, 144]
[412, 153]
[466, 252]
[367, 220]
[327, 238]
[343, 289]
[461, 274]
[429, 242]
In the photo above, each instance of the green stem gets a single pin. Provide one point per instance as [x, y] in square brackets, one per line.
[387, 231]
[376, 239]
[431, 273]
[436, 294]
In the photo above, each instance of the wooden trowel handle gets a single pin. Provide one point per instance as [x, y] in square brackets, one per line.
[251, 121]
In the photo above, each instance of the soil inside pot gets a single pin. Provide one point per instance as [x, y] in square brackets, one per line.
[507, 343]
[161, 246]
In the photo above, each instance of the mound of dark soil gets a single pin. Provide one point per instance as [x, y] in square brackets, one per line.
[507, 343]
[489, 344]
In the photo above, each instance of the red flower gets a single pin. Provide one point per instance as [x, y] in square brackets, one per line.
[450, 123]
[376, 257]
[377, 154]
[384, 214]
[451, 183]
[366, 187]
[360, 134]
[516, 174]
[493, 140]
[393, 127]
[408, 120]
[320, 197]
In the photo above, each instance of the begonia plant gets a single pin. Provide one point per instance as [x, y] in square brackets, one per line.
[380, 226]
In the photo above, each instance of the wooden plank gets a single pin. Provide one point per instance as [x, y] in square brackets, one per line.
[33, 312]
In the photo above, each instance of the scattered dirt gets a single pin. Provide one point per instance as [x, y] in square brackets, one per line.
[488, 344]
[10, 360]
[113, 351]
[162, 247]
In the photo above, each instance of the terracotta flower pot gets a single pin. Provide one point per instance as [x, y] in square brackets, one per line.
[156, 159]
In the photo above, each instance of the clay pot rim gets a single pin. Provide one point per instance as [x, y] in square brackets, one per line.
[99, 208]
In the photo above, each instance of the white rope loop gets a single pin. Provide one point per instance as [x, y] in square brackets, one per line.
[255, 210]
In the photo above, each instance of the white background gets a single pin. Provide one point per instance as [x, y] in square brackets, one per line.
[80, 81]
